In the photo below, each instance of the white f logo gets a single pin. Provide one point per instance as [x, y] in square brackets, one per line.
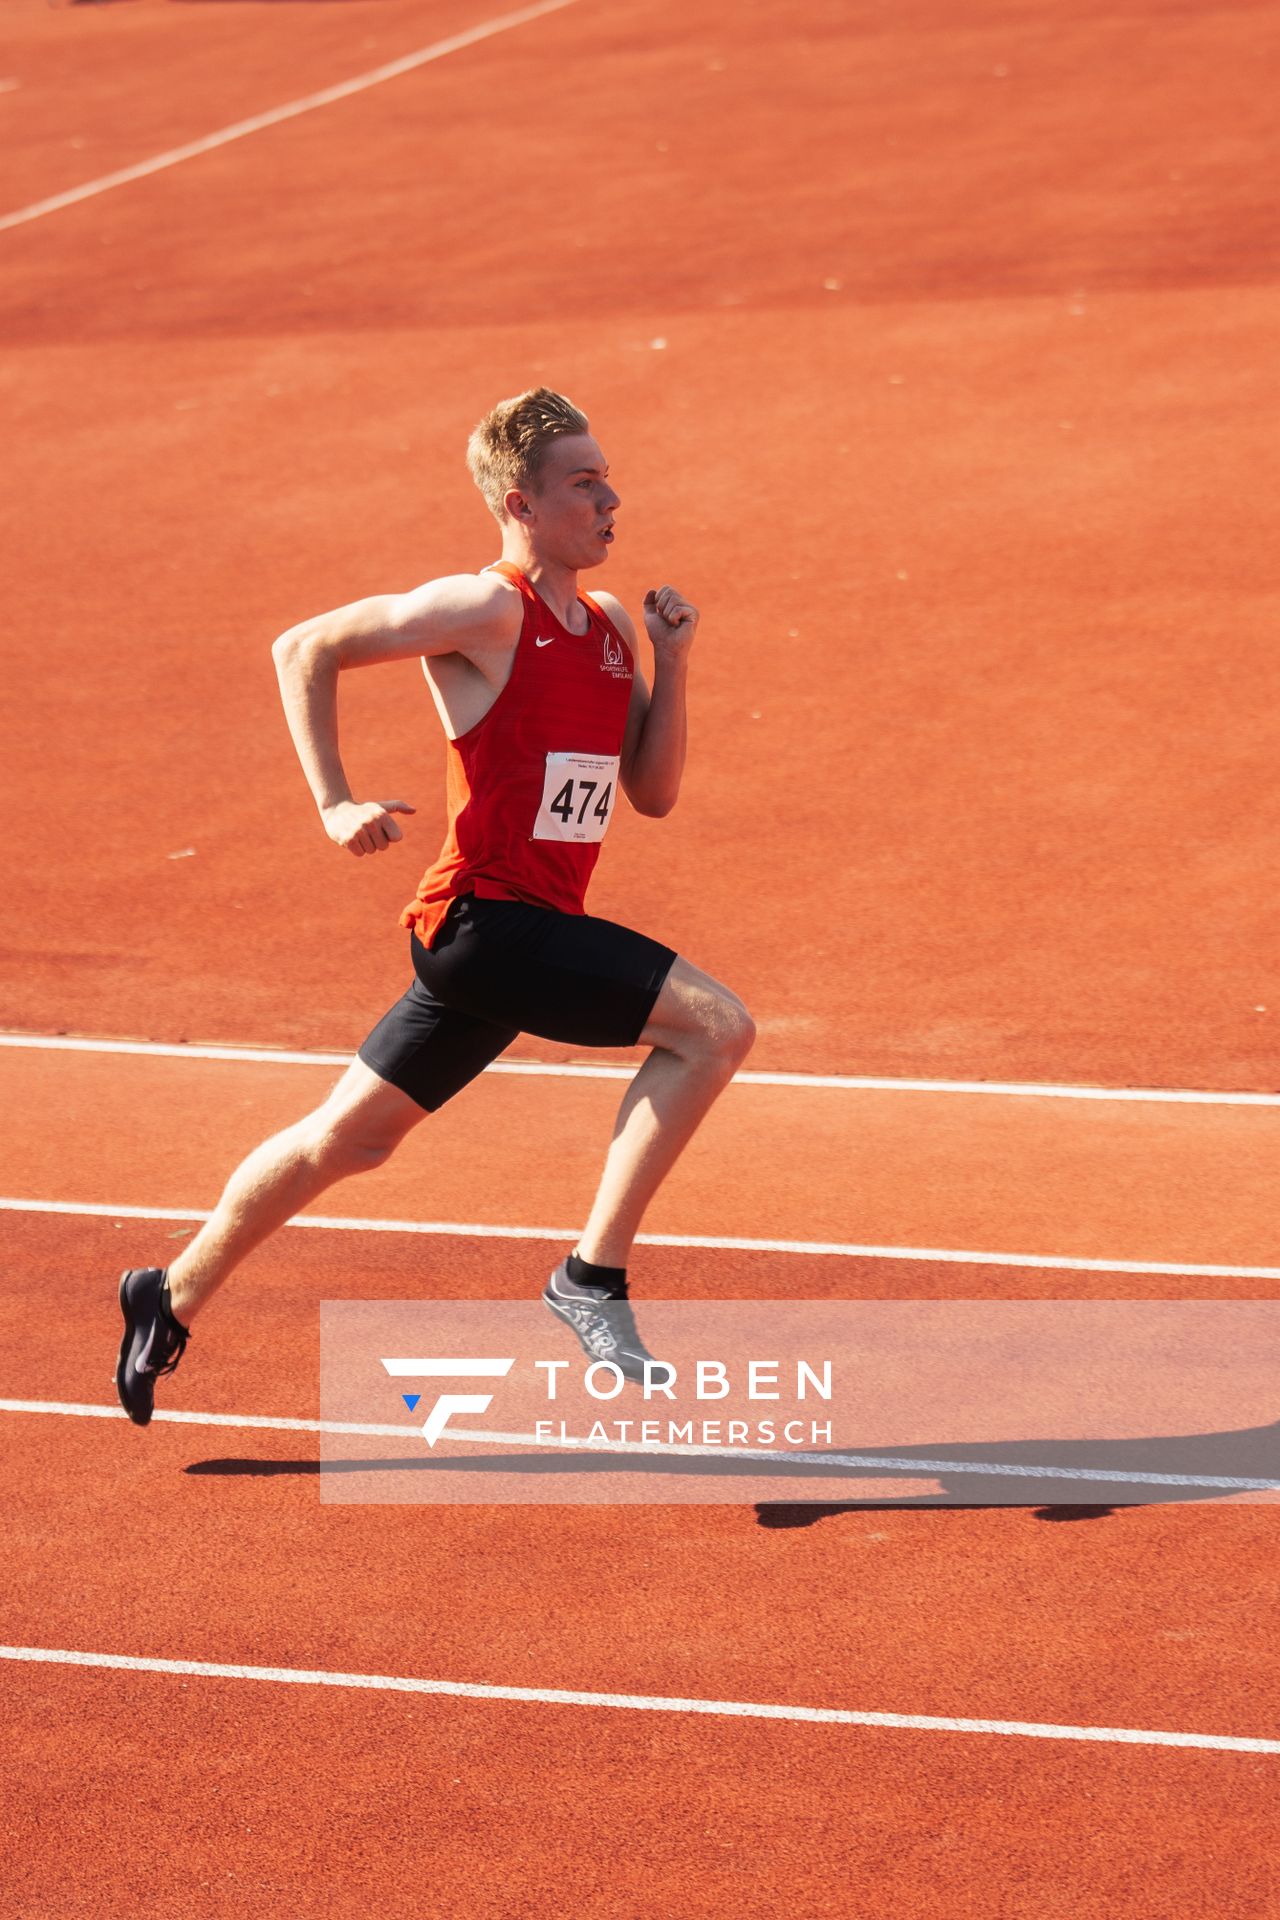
[449, 1403]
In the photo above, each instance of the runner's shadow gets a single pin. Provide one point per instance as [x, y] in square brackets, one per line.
[1062, 1479]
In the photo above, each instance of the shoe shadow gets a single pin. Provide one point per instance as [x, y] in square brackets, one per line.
[779, 1515]
[253, 1469]
[1070, 1480]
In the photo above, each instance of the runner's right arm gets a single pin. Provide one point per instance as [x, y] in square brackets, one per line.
[462, 613]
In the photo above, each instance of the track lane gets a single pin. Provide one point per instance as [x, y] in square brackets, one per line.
[987, 1613]
[951, 1171]
[346, 1808]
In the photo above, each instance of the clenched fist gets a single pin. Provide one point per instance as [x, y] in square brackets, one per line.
[364, 826]
[670, 621]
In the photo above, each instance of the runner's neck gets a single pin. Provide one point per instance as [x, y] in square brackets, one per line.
[555, 586]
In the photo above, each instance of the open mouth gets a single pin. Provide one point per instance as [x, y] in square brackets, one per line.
[606, 534]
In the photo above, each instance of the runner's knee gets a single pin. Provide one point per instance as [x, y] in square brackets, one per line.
[723, 1031]
[699, 1019]
[361, 1153]
[738, 1029]
[351, 1142]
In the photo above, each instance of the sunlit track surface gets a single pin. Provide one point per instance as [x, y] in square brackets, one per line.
[977, 817]
[1183, 1191]
[934, 353]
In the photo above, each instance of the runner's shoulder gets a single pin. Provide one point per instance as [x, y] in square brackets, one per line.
[612, 607]
[462, 613]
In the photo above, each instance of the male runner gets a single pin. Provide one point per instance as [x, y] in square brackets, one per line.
[546, 715]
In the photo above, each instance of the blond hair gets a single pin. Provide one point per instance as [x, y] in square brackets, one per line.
[508, 447]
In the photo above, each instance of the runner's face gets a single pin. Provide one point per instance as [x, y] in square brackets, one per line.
[573, 505]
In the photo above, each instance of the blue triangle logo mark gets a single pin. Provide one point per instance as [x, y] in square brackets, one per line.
[411, 1400]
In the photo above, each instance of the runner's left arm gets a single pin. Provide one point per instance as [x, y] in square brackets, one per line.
[656, 737]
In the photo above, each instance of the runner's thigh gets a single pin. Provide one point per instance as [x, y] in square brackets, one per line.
[569, 977]
[431, 1051]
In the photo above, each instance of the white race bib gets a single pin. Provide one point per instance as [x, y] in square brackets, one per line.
[577, 796]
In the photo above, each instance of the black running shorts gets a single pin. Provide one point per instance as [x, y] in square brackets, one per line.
[499, 968]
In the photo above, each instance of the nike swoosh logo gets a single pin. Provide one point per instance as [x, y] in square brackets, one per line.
[544, 643]
[140, 1364]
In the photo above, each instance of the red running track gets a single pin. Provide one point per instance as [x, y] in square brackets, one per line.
[960, 435]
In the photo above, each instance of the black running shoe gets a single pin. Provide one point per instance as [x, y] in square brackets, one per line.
[153, 1341]
[604, 1324]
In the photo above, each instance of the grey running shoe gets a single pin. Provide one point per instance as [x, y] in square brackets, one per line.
[604, 1323]
[153, 1341]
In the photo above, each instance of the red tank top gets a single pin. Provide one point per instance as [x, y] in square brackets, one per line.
[530, 788]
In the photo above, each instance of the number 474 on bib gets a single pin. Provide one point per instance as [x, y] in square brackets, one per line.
[577, 796]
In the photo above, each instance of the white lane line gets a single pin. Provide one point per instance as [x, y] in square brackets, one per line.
[90, 1410]
[164, 1050]
[714, 1243]
[290, 111]
[928, 1469]
[639, 1702]
[842, 1082]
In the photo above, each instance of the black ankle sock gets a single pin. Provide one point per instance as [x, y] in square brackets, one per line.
[608, 1279]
